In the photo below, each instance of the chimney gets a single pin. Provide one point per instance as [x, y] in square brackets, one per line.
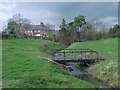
[42, 24]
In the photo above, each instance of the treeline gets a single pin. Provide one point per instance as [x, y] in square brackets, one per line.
[80, 30]
[76, 31]
[115, 31]
[69, 33]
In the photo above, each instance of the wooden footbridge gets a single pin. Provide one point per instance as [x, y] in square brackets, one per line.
[88, 56]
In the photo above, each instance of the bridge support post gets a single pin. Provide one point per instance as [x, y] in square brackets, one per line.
[64, 54]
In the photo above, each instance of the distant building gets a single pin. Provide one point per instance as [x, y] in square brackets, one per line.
[34, 30]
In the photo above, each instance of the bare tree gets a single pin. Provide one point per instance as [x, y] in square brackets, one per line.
[14, 23]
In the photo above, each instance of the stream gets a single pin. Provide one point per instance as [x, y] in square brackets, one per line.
[80, 73]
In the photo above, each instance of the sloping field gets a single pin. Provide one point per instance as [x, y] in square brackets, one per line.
[23, 66]
[106, 70]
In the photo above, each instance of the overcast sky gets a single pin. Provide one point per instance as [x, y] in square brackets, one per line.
[54, 12]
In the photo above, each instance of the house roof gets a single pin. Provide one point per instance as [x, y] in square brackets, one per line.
[34, 27]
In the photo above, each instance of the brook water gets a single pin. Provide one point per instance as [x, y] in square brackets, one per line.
[80, 73]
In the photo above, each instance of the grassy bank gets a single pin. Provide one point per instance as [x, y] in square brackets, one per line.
[107, 70]
[23, 66]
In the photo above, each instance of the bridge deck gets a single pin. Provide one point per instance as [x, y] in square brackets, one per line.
[72, 57]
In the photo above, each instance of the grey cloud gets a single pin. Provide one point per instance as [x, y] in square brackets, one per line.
[54, 12]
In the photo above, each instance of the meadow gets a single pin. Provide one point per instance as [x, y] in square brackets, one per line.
[23, 66]
[108, 69]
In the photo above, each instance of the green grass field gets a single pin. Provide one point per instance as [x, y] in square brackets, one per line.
[23, 66]
[106, 70]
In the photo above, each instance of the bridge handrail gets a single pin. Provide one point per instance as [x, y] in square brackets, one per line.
[61, 50]
[71, 49]
[92, 51]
